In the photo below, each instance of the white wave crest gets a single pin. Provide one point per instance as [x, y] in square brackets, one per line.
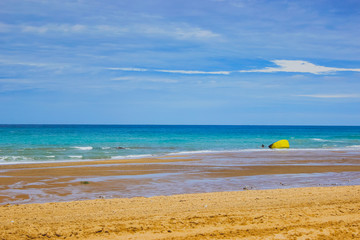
[75, 156]
[15, 158]
[83, 148]
[325, 140]
[105, 148]
[354, 146]
[319, 140]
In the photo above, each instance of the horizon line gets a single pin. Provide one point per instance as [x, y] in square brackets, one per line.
[147, 124]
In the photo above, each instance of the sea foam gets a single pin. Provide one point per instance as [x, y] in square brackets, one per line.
[83, 148]
[354, 146]
[325, 140]
[15, 158]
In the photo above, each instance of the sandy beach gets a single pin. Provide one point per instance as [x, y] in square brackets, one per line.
[299, 213]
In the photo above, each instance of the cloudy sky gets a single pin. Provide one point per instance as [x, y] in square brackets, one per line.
[180, 62]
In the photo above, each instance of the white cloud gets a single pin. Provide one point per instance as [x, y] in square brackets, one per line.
[5, 61]
[177, 31]
[35, 29]
[330, 95]
[171, 71]
[291, 66]
[194, 33]
[53, 28]
[63, 28]
[298, 66]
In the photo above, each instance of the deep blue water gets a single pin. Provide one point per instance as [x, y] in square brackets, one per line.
[32, 143]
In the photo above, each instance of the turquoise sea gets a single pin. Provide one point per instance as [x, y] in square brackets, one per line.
[51, 143]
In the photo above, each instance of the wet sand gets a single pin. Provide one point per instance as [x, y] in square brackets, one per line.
[297, 213]
[69, 181]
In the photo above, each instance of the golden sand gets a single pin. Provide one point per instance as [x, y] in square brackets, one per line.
[298, 213]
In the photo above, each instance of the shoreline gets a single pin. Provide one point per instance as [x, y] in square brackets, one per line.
[181, 174]
[317, 212]
[189, 154]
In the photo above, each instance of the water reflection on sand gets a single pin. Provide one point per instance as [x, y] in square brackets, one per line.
[177, 174]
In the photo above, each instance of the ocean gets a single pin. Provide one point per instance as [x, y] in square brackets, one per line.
[53, 143]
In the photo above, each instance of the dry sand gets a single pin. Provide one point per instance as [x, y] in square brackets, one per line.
[298, 213]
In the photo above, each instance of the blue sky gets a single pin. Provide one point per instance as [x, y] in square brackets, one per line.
[180, 62]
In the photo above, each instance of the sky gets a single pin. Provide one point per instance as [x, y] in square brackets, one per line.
[241, 62]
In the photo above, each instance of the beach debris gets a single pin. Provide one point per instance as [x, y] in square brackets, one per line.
[84, 182]
[280, 144]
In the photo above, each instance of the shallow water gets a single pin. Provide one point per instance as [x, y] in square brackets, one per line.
[53, 143]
